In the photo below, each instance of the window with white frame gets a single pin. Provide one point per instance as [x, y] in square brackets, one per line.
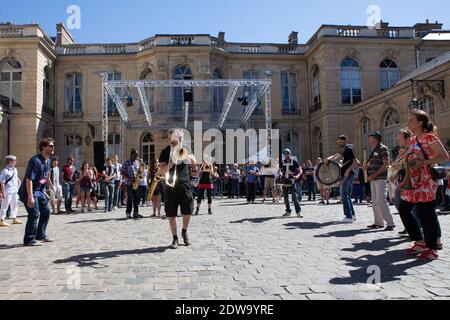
[391, 128]
[148, 151]
[289, 92]
[427, 104]
[389, 74]
[350, 81]
[114, 146]
[149, 91]
[316, 89]
[112, 108]
[218, 96]
[46, 90]
[10, 83]
[181, 73]
[251, 92]
[74, 104]
[365, 131]
[73, 145]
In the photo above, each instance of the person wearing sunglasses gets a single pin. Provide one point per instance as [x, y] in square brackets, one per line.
[32, 194]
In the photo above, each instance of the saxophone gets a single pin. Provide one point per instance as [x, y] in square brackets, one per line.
[137, 180]
[365, 166]
[155, 182]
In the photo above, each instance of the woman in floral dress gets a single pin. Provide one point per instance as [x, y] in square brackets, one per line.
[424, 151]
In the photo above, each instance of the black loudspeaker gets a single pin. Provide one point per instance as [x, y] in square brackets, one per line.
[188, 96]
[99, 155]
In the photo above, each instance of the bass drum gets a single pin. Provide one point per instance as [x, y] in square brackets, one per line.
[330, 175]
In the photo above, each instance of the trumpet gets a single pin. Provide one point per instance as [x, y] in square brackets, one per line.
[155, 182]
[137, 181]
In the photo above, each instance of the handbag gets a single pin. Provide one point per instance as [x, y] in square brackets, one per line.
[435, 175]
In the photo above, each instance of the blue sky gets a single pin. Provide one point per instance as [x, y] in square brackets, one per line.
[242, 20]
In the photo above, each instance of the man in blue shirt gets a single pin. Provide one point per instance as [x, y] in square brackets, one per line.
[32, 194]
[252, 173]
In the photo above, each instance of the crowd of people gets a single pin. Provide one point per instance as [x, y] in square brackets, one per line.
[414, 186]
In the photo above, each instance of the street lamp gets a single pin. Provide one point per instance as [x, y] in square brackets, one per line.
[414, 104]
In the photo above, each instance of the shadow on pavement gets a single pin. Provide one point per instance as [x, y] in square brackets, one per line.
[105, 220]
[346, 233]
[377, 245]
[259, 220]
[391, 266]
[10, 246]
[91, 259]
[307, 225]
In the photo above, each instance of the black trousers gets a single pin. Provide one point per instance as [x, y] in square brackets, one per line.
[251, 192]
[132, 201]
[201, 195]
[426, 213]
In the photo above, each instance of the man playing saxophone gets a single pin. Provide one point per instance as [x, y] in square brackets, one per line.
[129, 172]
[175, 163]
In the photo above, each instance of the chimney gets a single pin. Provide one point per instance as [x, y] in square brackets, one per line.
[422, 29]
[293, 37]
[221, 36]
[63, 36]
[382, 25]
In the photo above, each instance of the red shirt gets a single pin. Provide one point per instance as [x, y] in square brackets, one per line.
[424, 186]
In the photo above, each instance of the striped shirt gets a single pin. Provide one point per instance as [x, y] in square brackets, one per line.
[379, 154]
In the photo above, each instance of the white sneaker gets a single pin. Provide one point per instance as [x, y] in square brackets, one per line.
[354, 218]
[115, 208]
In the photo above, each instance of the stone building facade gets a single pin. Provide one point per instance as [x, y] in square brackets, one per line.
[328, 86]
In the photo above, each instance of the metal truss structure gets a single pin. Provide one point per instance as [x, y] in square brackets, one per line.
[261, 89]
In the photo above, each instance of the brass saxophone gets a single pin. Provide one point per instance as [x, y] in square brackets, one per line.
[155, 182]
[365, 166]
[137, 180]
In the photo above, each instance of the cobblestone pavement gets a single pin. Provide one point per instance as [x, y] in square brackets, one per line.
[240, 252]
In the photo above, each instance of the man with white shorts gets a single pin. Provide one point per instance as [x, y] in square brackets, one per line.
[55, 187]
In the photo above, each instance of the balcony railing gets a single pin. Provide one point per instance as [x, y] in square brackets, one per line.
[250, 49]
[348, 32]
[11, 31]
[114, 49]
[182, 40]
[73, 114]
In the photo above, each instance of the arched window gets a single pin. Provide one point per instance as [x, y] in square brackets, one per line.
[391, 127]
[148, 148]
[73, 145]
[11, 83]
[365, 131]
[427, 105]
[180, 73]
[316, 89]
[217, 94]
[112, 108]
[46, 90]
[389, 74]
[350, 81]
[148, 75]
